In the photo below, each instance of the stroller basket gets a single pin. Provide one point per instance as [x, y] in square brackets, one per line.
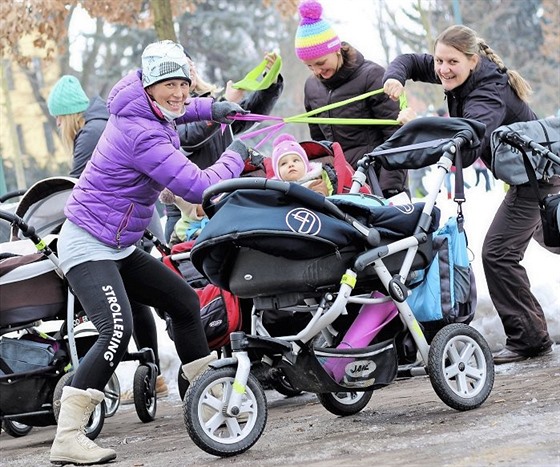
[30, 369]
[29, 392]
[370, 368]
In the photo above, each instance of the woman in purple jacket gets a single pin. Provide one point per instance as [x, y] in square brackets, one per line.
[478, 86]
[136, 158]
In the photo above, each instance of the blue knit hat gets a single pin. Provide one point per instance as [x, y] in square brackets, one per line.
[67, 97]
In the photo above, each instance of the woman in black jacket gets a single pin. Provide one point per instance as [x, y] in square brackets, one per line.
[341, 72]
[204, 142]
[478, 86]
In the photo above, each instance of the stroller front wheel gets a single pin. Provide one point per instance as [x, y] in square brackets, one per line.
[97, 418]
[204, 413]
[145, 400]
[461, 367]
[112, 395]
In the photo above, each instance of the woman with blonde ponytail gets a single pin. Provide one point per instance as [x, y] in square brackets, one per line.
[479, 86]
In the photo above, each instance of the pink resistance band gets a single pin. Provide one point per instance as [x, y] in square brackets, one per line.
[268, 131]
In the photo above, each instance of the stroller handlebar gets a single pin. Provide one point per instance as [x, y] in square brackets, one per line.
[27, 231]
[515, 139]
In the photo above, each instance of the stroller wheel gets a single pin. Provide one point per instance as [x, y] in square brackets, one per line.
[345, 403]
[97, 419]
[283, 386]
[16, 429]
[112, 395]
[460, 366]
[145, 400]
[204, 414]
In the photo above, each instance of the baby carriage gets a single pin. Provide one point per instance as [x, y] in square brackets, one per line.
[222, 312]
[282, 246]
[52, 306]
[35, 365]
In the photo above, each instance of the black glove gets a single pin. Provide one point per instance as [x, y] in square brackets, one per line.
[238, 147]
[224, 109]
[256, 158]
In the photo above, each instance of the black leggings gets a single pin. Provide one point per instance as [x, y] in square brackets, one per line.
[145, 330]
[104, 287]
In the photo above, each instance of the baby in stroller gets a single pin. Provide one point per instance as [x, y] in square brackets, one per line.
[290, 163]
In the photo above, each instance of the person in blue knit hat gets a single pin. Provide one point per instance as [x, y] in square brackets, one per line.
[80, 121]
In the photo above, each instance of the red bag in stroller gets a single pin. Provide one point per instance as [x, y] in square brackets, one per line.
[220, 310]
[220, 314]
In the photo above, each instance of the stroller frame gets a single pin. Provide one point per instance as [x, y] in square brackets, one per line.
[458, 359]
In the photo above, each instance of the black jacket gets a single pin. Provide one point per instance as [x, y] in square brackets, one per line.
[95, 116]
[204, 142]
[356, 76]
[485, 96]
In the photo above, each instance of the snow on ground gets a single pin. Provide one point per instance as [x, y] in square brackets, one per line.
[542, 267]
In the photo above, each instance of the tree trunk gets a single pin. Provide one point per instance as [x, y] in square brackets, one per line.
[163, 20]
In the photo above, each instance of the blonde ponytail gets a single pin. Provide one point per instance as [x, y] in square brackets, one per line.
[69, 127]
[521, 87]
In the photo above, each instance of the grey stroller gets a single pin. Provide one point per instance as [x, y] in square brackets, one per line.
[33, 296]
[284, 246]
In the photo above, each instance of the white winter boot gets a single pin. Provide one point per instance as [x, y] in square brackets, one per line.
[71, 445]
[193, 369]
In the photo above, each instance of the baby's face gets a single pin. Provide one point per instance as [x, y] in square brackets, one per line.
[291, 167]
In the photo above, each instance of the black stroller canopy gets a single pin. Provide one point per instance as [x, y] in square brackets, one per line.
[419, 143]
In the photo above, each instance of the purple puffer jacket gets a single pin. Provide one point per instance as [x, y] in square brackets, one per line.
[137, 156]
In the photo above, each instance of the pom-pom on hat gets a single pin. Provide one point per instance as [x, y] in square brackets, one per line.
[314, 36]
[285, 144]
[67, 97]
[164, 60]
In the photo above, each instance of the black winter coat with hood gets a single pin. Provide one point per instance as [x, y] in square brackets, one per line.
[95, 116]
[485, 96]
[356, 76]
[204, 141]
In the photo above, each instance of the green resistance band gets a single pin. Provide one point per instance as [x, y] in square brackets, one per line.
[308, 116]
[259, 78]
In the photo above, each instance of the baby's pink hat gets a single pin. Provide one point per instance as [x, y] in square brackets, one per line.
[285, 144]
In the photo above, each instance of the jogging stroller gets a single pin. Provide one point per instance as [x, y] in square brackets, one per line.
[222, 312]
[282, 246]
